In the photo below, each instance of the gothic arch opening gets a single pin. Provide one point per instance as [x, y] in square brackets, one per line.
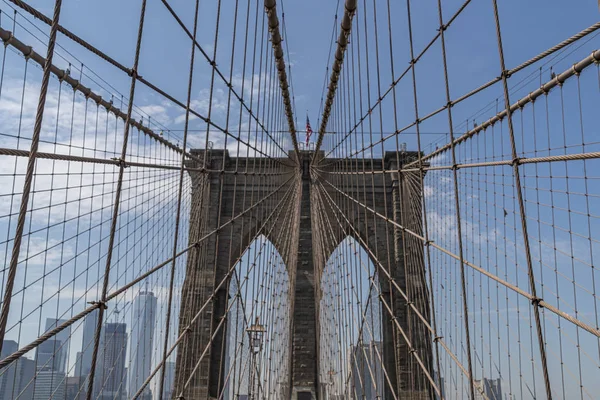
[351, 363]
[257, 345]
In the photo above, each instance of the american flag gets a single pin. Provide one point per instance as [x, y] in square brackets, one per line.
[308, 130]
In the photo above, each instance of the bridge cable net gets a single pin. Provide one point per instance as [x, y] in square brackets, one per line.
[155, 239]
[128, 211]
[482, 236]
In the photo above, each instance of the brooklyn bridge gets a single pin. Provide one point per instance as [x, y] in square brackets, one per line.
[173, 228]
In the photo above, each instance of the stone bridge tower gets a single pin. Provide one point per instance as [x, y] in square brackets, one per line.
[218, 193]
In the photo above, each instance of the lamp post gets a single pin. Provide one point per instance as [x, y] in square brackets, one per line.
[256, 334]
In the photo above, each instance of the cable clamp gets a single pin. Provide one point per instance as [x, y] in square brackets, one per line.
[101, 304]
[515, 161]
[11, 37]
[454, 167]
[120, 162]
[428, 242]
[437, 339]
[133, 73]
[62, 77]
[575, 72]
[29, 53]
[536, 301]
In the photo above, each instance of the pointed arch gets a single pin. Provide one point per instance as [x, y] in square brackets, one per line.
[250, 367]
[255, 208]
[352, 360]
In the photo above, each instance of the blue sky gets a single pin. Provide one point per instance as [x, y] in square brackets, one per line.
[528, 27]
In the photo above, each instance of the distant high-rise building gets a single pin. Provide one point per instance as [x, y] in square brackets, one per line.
[110, 379]
[492, 389]
[55, 357]
[15, 378]
[9, 374]
[78, 366]
[83, 362]
[72, 388]
[47, 355]
[442, 386]
[87, 344]
[169, 380]
[367, 378]
[26, 368]
[49, 384]
[141, 342]
[50, 376]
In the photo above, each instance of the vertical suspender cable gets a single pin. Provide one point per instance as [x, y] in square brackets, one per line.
[342, 43]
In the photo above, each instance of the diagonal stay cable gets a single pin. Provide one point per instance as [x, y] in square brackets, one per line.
[208, 301]
[456, 101]
[37, 14]
[540, 303]
[27, 185]
[95, 305]
[9, 39]
[437, 339]
[215, 68]
[556, 81]
[380, 267]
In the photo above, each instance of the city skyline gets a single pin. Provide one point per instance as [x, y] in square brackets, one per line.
[124, 359]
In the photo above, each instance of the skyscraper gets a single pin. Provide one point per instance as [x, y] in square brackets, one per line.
[9, 374]
[49, 384]
[50, 363]
[141, 344]
[72, 388]
[367, 373]
[491, 387]
[15, 377]
[47, 355]
[83, 362]
[110, 379]
[60, 350]
[169, 380]
[87, 344]
[442, 386]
